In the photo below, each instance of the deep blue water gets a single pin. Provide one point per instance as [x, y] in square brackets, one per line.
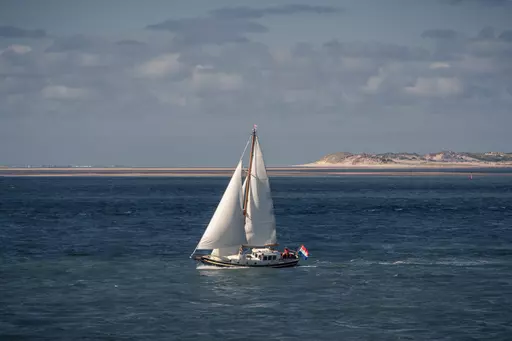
[391, 258]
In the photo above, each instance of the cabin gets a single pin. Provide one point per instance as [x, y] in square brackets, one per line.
[264, 255]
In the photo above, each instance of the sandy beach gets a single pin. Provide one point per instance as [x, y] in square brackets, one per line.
[298, 171]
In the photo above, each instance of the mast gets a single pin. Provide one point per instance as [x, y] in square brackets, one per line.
[246, 195]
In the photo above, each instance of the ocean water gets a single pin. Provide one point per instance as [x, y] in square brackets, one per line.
[391, 258]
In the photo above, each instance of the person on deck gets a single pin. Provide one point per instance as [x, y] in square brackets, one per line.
[285, 253]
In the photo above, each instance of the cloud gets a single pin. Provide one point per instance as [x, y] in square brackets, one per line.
[439, 65]
[490, 48]
[17, 49]
[506, 36]
[130, 42]
[229, 24]
[209, 30]
[479, 2]
[72, 43]
[16, 32]
[203, 78]
[61, 92]
[160, 67]
[244, 12]
[435, 87]
[447, 44]
[335, 73]
[486, 33]
[17, 59]
[374, 83]
[439, 34]
[164, 87]
[376, 50]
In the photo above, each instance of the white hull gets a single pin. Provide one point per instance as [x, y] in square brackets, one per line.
[216, 261]
[266, 258]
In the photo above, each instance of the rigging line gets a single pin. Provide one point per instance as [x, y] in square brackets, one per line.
[246, 145]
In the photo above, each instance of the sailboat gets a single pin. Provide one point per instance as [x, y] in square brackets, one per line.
[242, 230]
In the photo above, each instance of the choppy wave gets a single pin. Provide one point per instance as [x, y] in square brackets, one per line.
[426, 262]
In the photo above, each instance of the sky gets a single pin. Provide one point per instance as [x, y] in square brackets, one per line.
[181, 83]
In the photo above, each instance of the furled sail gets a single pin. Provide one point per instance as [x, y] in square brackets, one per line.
[260, 225]
[226, 228]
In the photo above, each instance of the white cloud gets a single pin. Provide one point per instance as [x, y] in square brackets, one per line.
[281, 55]
[160, 67]
[357, 64]
[374, 82]
[476, 65]
[489, 48]
[439, 65]
[19, 49]
[88, 59]
[61, 92]
[204, 67]
[215, 80]
[435, 87]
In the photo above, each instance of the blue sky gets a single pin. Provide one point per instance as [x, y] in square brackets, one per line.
[170, 83]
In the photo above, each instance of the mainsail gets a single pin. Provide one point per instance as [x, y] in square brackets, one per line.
[260, 225]
[225, 232]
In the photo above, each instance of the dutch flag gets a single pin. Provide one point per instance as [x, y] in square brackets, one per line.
[304, 252]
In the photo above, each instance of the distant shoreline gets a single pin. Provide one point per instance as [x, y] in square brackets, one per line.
[443, 165]
[295, 171]
[443, 159]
